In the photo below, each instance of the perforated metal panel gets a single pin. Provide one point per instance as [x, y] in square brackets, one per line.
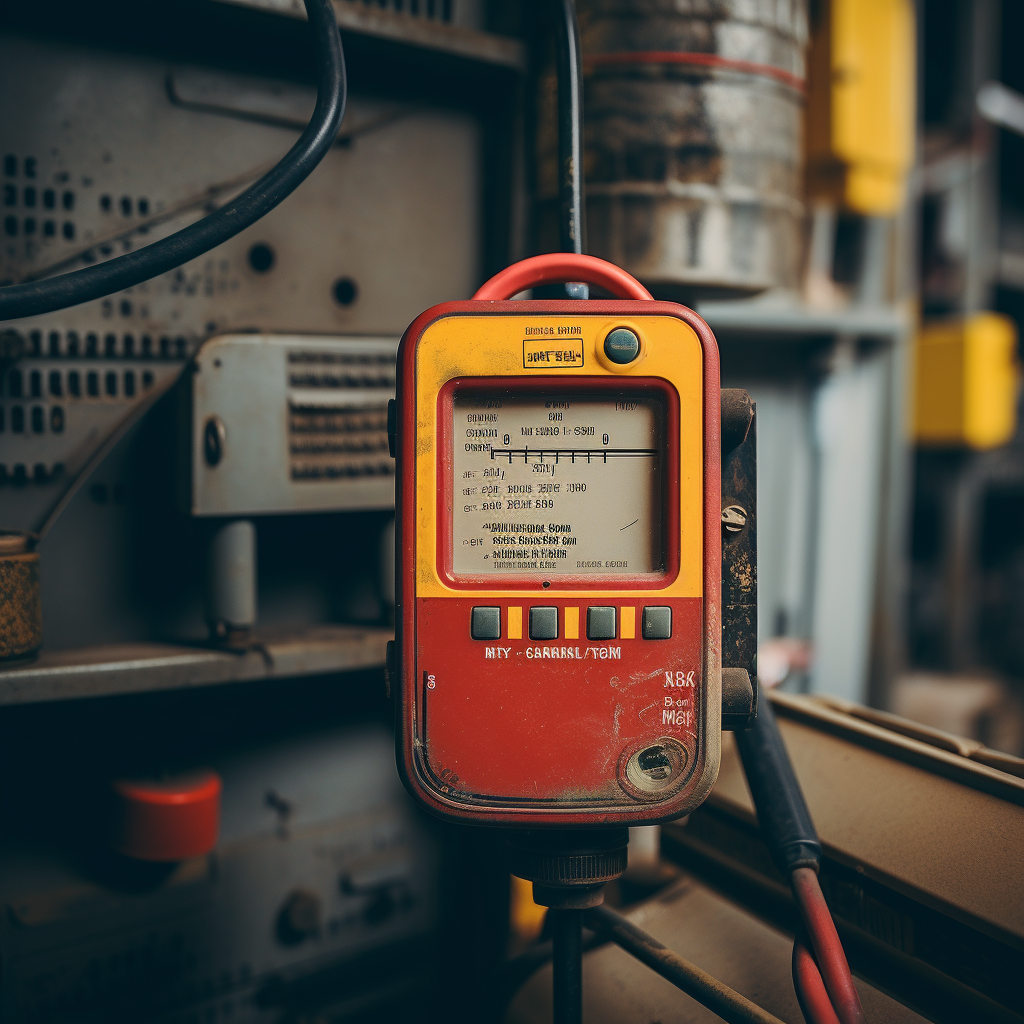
[105, 151]
[290, 424]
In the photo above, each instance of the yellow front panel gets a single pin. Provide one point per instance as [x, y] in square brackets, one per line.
[493, 346]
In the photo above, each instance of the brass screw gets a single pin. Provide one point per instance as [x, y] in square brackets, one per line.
[734, 518]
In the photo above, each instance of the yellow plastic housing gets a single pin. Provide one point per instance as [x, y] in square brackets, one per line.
[452, 348]
[860, 110]
[967, 377]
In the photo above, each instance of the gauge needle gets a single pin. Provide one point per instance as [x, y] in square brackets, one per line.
[628, 525]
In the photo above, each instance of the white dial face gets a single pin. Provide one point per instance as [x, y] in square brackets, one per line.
[557, 486]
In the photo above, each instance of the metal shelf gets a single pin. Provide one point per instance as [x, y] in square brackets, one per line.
[453, 40]
[145, 667]
[774, 315]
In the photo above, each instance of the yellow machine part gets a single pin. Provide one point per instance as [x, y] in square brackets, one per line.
[860, 109]
[967, 377]
[525, 917]
[670, 350]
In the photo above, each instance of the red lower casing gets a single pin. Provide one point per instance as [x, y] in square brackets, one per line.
[521, 718]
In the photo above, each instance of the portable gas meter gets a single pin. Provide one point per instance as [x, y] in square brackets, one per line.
[559, 555]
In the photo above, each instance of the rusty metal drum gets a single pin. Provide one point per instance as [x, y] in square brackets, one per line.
[693, 112]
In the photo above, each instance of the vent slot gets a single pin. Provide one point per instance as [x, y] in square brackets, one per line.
[328, 444]
[432, 10]
[341, 370]
[353, 379]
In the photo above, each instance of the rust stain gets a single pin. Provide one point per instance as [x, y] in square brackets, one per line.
[744, 573]
[21, 610]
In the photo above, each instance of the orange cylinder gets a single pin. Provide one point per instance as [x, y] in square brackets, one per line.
[169, 818]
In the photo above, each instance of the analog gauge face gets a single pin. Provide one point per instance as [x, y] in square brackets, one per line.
[566, 486]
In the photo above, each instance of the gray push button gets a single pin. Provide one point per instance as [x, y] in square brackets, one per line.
[600, 623]
[622, 345]
[485, 624]
[657, 624]
[543, 623]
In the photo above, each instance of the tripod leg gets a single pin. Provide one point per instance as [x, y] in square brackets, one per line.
[567, 963]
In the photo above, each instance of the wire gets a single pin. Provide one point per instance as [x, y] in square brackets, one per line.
[789, 833]
[33, 298]
[782, 814]
[708, 991]
[828, 950]
[119, 430]
[810, 989]
[570, 131]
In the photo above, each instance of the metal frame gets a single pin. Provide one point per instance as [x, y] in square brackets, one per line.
[846, 571]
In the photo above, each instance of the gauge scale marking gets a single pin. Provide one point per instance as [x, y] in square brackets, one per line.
[560, 486]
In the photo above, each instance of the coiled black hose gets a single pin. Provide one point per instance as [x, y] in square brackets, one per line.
[33, 298]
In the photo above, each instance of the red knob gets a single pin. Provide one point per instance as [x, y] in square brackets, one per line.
[169, 818]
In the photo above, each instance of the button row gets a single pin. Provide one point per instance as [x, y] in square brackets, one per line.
[603, 623]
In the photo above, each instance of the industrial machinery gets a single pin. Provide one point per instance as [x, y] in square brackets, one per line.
[693, 117]
[252, 544]
[320, 860]
[139, 472]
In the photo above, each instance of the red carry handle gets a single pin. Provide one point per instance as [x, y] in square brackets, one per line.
[557, 268]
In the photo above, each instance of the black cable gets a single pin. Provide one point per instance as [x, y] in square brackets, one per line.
[567, 965]
[31, 299]
[570, 131]
[788, 831]
[782, 812]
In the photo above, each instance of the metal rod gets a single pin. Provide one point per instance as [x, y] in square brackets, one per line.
[710, 992]
[567, 965]
[570, 130]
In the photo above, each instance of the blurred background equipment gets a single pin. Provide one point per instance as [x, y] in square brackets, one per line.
[226, 420]
[290, 425]
[167, 818]
[965, 631]
[860, 109]
[835, 186]
[321, 875]
[968, 377]
[693, 125]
